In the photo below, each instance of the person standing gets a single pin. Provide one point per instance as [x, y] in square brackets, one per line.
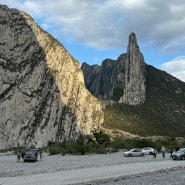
[163, 150]
[40, 153]
[18, 156]
[155, 153]
[171, 151]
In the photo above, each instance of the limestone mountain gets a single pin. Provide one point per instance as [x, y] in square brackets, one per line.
[147, 101]
[120, 80]
[42, 91]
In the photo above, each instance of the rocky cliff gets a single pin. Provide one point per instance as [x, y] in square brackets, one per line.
[42, 92]
[120, 80]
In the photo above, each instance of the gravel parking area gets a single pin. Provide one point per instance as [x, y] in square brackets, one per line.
[10, 168]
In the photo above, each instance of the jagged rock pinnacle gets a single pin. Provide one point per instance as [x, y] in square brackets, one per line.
[120, 80]
[134, 91]
[132, 43]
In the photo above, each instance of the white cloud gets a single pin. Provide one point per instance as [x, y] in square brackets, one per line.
[106, 24]
[176, 67]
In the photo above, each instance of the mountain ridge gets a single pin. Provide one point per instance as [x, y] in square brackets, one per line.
[161, 106]
[122, 79]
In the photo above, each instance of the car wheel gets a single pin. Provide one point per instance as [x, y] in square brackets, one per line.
[142, 155]
[183, 157]
[129, 155]
[174, 158]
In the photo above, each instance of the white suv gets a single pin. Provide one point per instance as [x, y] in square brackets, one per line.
[148, 151]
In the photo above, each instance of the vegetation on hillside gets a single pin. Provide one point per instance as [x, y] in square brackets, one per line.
[162, 113]
[85, 144]
[100, 143]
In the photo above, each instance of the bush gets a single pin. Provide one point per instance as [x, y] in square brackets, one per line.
[117, 143]
[50, 143]
[101, 138]
[55, 150]
[98, 149]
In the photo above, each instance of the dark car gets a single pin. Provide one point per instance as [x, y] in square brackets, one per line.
[180, 154]
[31, 155]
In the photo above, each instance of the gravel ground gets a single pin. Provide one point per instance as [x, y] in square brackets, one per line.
[173, 176]
[10, 168]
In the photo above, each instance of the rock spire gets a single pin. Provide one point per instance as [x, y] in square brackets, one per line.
[134, 89]
[121, 80]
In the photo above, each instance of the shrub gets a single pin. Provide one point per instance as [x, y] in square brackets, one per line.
[55, 150]
[101, 138]
[50, 143]
[117, 143]
[98, 149]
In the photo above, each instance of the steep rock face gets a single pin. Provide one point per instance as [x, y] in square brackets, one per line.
[91, 73]
[101, 85]
[42, 93]
[120, 80]
[134, 92]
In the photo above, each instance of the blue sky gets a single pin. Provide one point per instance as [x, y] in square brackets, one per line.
[93, 30]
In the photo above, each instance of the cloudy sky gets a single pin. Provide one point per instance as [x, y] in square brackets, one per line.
[93, 30]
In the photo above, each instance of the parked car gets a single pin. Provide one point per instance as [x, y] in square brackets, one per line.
[31, 155]
[148, 150]
[180, 154]
[133, 152]
[34, 149]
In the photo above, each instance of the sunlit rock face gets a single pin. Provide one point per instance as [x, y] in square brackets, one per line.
[121, 80]
[134, 90]
[42, 92]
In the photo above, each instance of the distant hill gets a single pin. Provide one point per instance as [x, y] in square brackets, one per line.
[147, 101]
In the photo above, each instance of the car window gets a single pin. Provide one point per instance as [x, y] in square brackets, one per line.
[29, 153]
[182, 150]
